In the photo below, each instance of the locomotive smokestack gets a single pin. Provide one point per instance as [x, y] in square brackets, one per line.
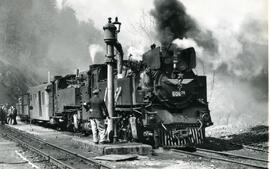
[163, 48]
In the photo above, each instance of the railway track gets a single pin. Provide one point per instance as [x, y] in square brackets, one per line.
[227, 157]
[60, 157]
[255, 148]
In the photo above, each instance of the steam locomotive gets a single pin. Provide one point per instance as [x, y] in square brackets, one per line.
[159, 100]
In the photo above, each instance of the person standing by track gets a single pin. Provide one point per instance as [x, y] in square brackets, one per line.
[98, 113]
[9, 115]
[5, 112]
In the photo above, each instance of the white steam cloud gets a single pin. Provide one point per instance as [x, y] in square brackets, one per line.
[188, 42]
[135, 53]
[96, 51]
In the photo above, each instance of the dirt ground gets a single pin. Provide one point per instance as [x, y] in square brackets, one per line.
[12, 156]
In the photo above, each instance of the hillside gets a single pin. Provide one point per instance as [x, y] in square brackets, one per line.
[13, 82]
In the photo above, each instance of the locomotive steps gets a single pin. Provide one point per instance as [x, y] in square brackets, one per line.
[66, 139]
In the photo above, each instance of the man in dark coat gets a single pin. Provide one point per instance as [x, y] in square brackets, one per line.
[5, 112]
[98, 113]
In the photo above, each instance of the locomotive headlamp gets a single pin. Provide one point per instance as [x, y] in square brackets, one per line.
[117, 23]
[205, 117]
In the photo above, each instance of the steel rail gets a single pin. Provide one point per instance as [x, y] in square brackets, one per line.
[65, 150]
[98, 165]
[233, 155]
[218, 158]
[43, 154]
[250, 147]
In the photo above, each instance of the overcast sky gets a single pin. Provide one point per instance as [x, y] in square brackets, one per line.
[209, 13]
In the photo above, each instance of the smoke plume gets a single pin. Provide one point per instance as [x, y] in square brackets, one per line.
[36, 34]
[173, 22]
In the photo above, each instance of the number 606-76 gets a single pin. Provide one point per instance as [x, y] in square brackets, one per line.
[178, 93]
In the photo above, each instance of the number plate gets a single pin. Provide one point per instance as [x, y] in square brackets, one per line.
[178, 93]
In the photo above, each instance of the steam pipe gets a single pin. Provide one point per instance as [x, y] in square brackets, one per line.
[110, 87]
[119, 48]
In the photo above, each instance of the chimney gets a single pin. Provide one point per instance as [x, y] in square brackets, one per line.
[165, 48]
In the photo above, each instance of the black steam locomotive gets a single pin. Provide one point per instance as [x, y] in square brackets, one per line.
[159, 100]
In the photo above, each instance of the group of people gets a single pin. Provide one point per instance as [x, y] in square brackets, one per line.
[8, 114]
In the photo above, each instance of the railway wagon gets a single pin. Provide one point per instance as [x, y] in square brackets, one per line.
[55, 102]
[39, 99]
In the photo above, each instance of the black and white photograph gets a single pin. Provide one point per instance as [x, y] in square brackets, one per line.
[134, 84]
